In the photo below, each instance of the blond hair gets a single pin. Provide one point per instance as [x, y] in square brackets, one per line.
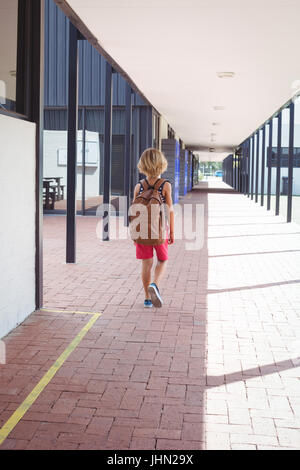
[152, 162]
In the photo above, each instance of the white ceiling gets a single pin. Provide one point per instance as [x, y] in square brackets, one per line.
[173, 49]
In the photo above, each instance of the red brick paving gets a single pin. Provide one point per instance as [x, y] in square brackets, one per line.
[215, 368]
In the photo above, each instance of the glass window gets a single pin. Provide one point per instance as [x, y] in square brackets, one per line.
[90, 174]
[55, 142]
[284, 160]
[8, 53]
[296, 165]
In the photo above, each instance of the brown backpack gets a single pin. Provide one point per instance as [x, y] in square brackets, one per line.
[147, 215]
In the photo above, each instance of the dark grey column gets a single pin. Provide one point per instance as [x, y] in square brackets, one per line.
[248, 166]
[235, 170]
[239, 172]
[184, 180]
[229, 169]
[136, 151]
[192, 157]
[107, 148]
[257, 166]
[290, 163]
[170, 148]
[127, 161]
[245, 169]
[72, 145]
[193, 174]
[241, 168]
[83, 161]
[269, 165]
[143, 129]
[150, 127]
[252, 167]
[278, 164]
[36, 114]
[263, 164]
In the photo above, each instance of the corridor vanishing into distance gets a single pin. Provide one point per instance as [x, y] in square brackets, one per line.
[216, 367]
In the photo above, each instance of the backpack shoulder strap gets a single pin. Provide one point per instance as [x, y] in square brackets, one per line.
[159, 183]
[144, 184]
[161, 186]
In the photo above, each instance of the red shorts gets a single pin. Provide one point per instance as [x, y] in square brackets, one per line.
[146, 252]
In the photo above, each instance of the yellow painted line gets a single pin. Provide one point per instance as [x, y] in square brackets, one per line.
[33, 395]
[68, 311]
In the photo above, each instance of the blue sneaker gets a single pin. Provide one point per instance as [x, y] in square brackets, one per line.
[155, 295]
[148, 303]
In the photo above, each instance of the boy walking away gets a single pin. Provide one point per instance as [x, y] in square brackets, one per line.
[155, 195]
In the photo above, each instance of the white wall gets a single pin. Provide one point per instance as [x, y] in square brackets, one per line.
[55, 141]
[163, 132]
[17, 222]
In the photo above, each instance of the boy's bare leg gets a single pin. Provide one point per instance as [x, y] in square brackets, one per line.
[146, 275]
[159, 271]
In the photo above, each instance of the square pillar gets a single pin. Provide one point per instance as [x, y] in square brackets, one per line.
[257, 166]
[290, 163]
[269, 157]
[278, 164]
[252, 167]
[72, 145]
[128, 150]
[263, 165]
[183, 182]
[190, 171]
[150, 127]
[107, 147]
[171, 150]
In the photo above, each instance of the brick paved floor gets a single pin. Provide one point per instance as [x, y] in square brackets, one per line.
[215, 368]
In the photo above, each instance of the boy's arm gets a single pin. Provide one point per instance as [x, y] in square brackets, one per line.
[167, 192]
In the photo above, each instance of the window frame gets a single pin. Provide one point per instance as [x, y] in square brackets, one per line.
[24, 57]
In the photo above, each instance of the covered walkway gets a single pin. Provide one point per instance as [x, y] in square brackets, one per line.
[215, 368]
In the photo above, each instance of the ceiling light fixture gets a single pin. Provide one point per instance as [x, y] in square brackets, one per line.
[219, 108]
[216, 123]
[225, 74]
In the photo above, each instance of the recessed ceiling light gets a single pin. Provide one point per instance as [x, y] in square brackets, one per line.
[216, 123]
[219, 108]
[225, 74]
